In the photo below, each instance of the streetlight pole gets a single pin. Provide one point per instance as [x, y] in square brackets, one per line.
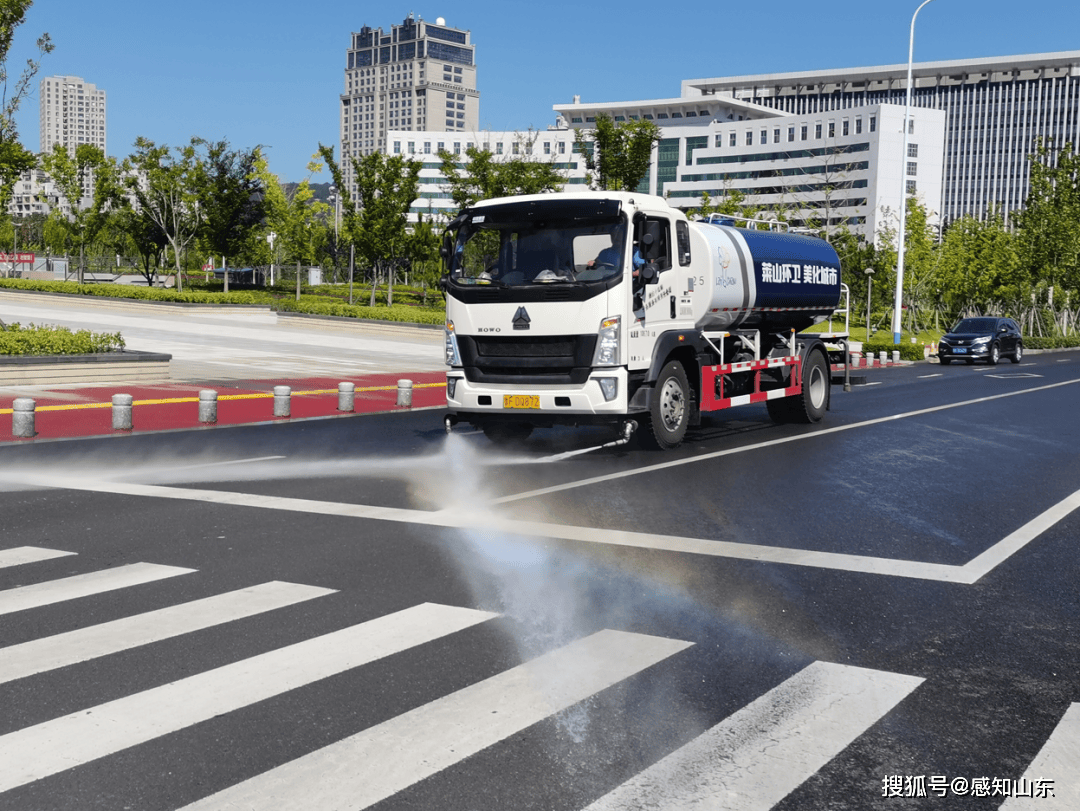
[903, 183]
[869, 286]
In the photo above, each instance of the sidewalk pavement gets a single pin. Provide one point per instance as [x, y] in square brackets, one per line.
[83, 411]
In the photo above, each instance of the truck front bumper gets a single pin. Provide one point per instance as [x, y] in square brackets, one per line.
[601, 398]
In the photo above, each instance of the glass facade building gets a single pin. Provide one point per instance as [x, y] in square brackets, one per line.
[996, 110]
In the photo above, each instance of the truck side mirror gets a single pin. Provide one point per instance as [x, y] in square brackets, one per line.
[650, 241]
[447, 247]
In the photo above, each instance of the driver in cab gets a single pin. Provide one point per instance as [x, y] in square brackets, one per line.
[612, 256]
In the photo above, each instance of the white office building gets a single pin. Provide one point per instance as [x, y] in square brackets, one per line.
[73, 112]
[995, 109]
[829, 170]
[418, 76]
[554, 146]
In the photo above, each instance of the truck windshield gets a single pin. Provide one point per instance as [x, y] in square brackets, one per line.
[512, 254]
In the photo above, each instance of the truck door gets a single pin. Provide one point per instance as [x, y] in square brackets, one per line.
[656, 296]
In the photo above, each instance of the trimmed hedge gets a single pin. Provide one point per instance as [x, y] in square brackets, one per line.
[1060, 342]
[50, 340]
[132, 292]
[908, 351]
[309, 303]
[399, 312]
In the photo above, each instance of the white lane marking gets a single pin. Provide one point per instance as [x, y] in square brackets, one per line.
[61, 650]
[925, 377]
[1015, 541]
[755, 758]
[361, 770]
[874, 383]
[84, 585]
[21, 555]
[80, 737]
[949, 573]
[1059, 762]
[770, 443]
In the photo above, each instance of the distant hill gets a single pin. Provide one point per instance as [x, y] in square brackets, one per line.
[320, 191]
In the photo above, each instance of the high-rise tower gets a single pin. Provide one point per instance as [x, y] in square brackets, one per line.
[72, 113]
[418, 76]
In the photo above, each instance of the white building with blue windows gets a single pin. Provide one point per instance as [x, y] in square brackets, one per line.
[827, 170]
[554, 146]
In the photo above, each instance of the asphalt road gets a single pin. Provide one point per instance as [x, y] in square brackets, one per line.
[770, 617]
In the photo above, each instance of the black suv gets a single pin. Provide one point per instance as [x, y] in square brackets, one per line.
[981, 339]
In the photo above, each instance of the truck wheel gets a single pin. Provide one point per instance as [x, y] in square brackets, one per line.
[507, 433]
[669, 408]
[812, 402]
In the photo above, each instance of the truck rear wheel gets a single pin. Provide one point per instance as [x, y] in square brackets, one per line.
[810, 404]
[669, 408]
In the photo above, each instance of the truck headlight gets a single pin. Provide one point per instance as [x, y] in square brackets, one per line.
[453, 357]
[607, 343]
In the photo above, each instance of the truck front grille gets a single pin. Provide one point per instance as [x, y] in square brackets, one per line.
[545, 359]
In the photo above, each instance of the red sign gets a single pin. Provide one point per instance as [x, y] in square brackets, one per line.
[18, 258]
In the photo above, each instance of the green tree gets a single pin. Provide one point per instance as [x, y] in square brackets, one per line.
[376, 221]
[1049, 225]
[423, 253]
[979, 264]
[71, 174]
[617, 153]
[165, 185]
[292, 214]
[14, 158]
[386, 186]
[484, 175]
[231, 195]
[146, 238]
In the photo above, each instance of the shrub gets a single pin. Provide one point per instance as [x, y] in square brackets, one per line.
[1057, 342]
[50, 340]
[131, 292]
[908, 351]
[399, 312]
[313, 303]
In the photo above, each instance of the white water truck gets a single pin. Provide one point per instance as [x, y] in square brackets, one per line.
[614, 308]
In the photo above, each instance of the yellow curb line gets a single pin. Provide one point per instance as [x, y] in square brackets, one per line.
[260, 395]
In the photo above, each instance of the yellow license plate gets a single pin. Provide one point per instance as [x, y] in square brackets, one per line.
[521, 401]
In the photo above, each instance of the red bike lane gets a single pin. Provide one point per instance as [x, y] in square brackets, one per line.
[87, 411]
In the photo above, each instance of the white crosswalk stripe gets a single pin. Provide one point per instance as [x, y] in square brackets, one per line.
[84, 585]
[61, 650]
[759, 755]
[750, 761]
[368, 767]
[22, 555]
[1058, 761]
[80, 737]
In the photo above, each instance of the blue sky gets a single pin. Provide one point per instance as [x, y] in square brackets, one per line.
[270, 72]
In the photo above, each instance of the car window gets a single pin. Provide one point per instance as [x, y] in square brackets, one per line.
[976, 325]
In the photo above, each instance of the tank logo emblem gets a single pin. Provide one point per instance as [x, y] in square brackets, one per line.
[725, 256]
[521, 319]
